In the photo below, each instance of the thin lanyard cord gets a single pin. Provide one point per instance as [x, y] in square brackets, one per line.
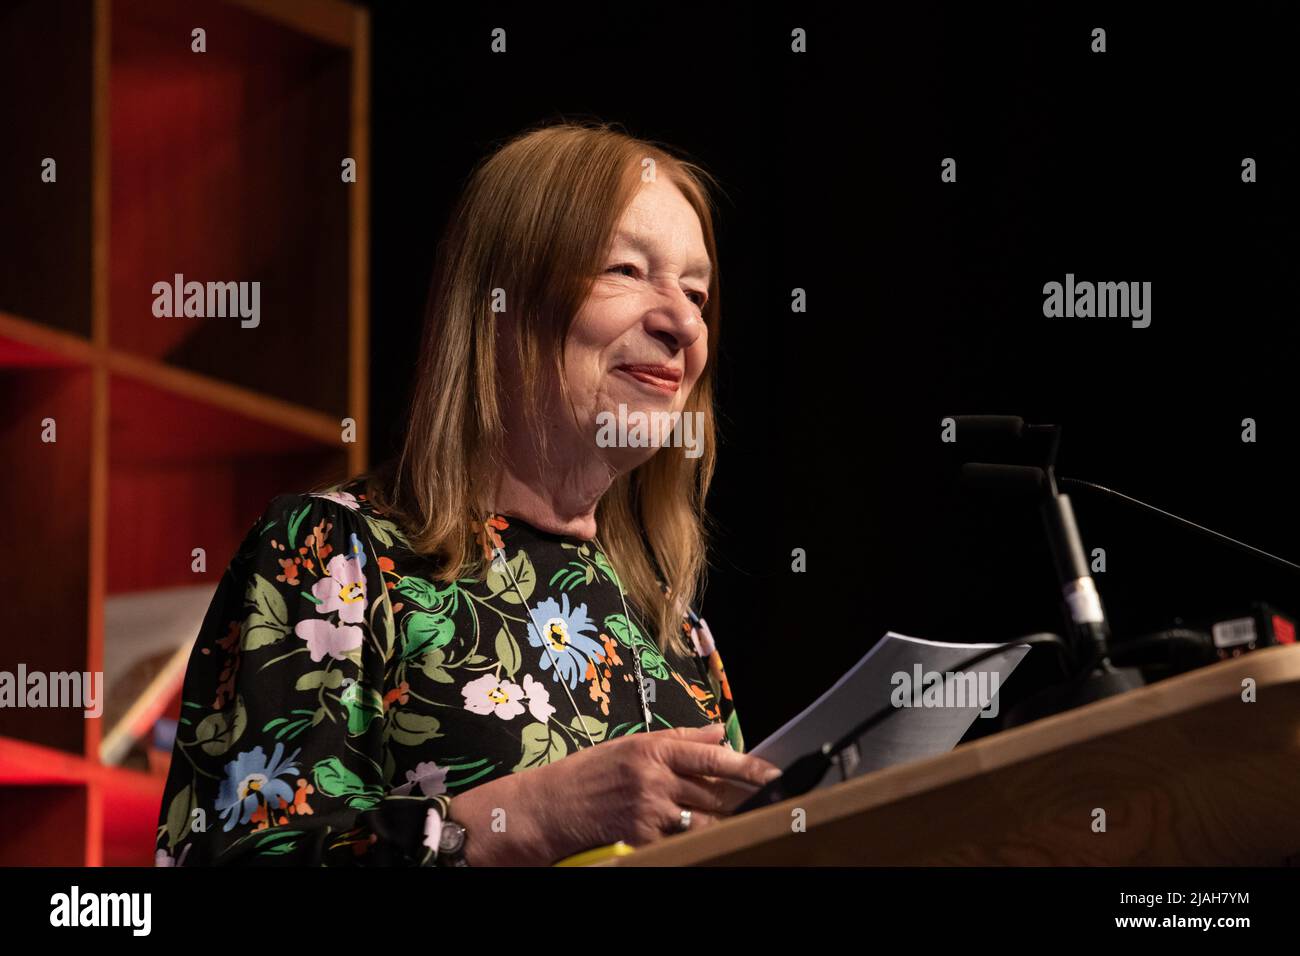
[635, 651]
[499, 554]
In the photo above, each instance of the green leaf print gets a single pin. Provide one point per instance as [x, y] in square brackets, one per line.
[180, 815]
[733, 732]
[508, 654]
[294, 523]
[426, 632]
[597, 728]
[433, 668]
[218, 732]
[363, 704]
[278, 843]
[382, 627]
[384, 531]
[287, 729]
[426, 595]
[569, 576]
[268, 621]
[542, 745]
[413, 729]
[629, 635]
[652, 662]
[333, 779]
[498, 581]
[314, 679]
[605, 567]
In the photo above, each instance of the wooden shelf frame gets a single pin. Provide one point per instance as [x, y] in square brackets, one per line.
[114, 810]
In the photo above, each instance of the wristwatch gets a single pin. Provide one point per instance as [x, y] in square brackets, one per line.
[451, 845]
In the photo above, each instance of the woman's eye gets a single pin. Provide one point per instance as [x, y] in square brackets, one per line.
[632, 271]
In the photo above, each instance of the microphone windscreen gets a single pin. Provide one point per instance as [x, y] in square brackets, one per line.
[988, 426]
[1014, 479]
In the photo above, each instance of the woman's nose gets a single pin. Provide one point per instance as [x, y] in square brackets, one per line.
[676, 320]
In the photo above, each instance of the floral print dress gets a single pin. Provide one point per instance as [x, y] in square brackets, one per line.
[337, 696]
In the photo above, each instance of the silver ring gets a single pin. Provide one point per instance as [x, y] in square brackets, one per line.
[684, 820]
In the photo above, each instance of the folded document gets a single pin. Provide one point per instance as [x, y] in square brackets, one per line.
[936, 705]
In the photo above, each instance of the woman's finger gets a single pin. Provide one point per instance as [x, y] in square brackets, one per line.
[696, 794]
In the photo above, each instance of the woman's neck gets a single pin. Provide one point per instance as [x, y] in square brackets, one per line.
[560, 498]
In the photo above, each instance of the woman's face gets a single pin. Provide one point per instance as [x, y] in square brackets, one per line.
[639, 340]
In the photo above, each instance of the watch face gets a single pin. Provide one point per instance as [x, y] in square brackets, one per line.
[453, 837]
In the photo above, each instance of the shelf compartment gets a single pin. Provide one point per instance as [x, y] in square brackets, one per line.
[46, 540]
[226, 168]
[186, 474]
[45, 245]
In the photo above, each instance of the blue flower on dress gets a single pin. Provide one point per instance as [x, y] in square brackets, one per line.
[252, 779]
[358, 551]
[566, 645]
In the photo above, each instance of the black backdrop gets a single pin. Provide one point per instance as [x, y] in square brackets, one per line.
[924, 298]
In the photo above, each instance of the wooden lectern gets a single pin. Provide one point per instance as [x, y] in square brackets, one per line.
[1186, 771]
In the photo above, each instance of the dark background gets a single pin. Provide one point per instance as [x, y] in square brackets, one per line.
[924, 298]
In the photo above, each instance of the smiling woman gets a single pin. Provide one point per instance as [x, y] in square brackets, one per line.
[485, 651]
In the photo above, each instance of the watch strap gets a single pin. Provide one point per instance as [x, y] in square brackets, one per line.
[443, 801]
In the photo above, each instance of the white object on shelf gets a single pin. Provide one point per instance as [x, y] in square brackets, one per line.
[140, 627]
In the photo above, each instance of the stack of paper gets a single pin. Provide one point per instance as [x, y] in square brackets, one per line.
[935, 705]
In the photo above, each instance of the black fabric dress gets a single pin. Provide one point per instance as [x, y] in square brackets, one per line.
[337, 696]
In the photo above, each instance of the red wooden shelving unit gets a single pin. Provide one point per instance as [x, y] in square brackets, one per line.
[172, 433]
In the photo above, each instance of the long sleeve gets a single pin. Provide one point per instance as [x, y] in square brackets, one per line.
[281, 753]
[709, 661]
[731, 720]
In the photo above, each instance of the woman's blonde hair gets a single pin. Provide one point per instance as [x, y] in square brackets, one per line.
[535, 220]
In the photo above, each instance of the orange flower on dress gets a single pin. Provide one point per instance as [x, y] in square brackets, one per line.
[400, 693]
[715, 664]
[611, 650]
[702, 697]
[259, 816]
[488, 536]
[290, 568]
[300, 807]
[598, 686]
[318, 542]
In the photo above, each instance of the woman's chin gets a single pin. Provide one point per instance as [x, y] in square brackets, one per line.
[631, 435]
[623, 460]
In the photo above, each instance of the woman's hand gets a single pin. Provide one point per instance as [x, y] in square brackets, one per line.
[632, 788]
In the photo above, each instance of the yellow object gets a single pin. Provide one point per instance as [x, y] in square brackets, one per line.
[587, 857]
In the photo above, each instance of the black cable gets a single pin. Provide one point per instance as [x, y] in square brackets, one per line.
[1183, 647]
[1191, 524]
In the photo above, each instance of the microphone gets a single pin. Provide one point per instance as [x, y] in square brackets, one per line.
[989, 426]
[1088, 625]
[1019, 480]
[1091, 674]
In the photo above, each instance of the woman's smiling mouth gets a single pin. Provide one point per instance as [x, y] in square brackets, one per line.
[663, 377]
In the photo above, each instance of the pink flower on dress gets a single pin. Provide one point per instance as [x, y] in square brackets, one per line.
[323, 638]
[342, 589]
[539, 698]
[344, 498]
[163, 858]
[428, 776]
[491, 695]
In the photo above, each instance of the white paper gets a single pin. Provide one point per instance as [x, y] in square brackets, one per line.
[914, 731]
